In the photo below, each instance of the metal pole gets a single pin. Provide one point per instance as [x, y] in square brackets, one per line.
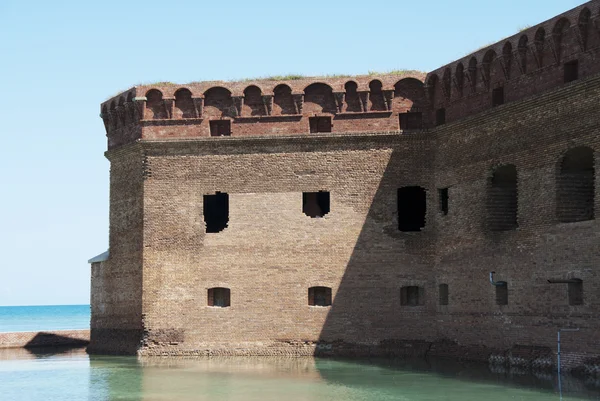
[558, 358]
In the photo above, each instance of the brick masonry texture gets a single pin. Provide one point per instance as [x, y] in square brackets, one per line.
[44, 338]
[150, 296]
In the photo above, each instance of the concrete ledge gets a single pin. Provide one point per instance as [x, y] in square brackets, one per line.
[44, 338]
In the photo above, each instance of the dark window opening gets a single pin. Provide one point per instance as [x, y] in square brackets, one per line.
[440, 117]
[575, 292]
[220, 297]
[575, 186]
[411, 120]
[216, 212]
[319, 296]
[502, 294]
[443, 195]
[412, 296]
[220, 128]
[498, 96]
[443, 290]
[411, 208]
[571, 71]
[503, 199]
[316, 204]
[319, 124]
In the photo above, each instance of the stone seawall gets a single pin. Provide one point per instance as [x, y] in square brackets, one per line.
[44, 338]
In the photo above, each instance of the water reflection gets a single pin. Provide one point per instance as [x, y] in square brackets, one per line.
[74, 375]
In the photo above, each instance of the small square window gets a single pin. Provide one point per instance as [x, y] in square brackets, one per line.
[411, 121]
[576, 292]
[219, 297]
[502, 294]
[316, 204]
[440, 117]
[571, 71]
[498, 96]
[412, 296]
[220, 128]
[319, 296]
[319, 124]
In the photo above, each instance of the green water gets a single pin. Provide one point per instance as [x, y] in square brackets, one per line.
[73, 375]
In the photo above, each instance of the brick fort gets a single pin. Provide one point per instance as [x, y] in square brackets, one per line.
[449, 213]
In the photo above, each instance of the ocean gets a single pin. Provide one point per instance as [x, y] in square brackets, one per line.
[44, 318]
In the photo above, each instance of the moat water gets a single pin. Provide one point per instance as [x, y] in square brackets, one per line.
[72, 375]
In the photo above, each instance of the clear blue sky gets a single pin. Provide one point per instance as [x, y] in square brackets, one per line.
[60, 59]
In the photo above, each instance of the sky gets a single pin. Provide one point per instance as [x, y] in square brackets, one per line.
[60, 59]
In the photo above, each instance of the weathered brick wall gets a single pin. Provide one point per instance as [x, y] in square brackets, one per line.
[163, 262]
[116, 288]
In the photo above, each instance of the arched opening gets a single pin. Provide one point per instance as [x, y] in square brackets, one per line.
[376, 96]
[488, 60]
[583, 24]
[539, 42]
[318, 98]
[459, 78]
[522, 50]
[575, 186]
[216, 212]
[316, 204]
[409, 95]
[558, 34]
[432, 83]
[352, 97]
[219, 297]
[218, 103]
[155, 106]
[184, 104]
[412, 208]
[507, 56]
[503, 199]
[319, 296]
[447, 82]
[473, 73]
[253, 102]
[283, 100]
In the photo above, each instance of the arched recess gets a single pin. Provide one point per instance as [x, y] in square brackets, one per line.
[253, 102]
[459, 79]
[447, 83]
[283, 100]
[184, 104]
[409, 95]
[432, 88]
[575, 186]
[376, 100]
[352, 98]
[539, 43]
[559, 34]
[218, 103]
[489, 60]
[472, 73]
[503, 199]
[507, 56]
[318, 98]
[155, 106]
[112, 108]
[522, 50]
[583, 26]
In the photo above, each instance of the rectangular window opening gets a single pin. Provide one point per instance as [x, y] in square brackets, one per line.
[216, 212]
[220, 128]
[411, 121]
[220, 297]
[443, 290]
[319, 124]
[316, 204]
[502, 294]
[440, 117]
[319, 296]
[571, 71]
[576, 292]
[443, 196]
[412, 296]
[498, 96]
